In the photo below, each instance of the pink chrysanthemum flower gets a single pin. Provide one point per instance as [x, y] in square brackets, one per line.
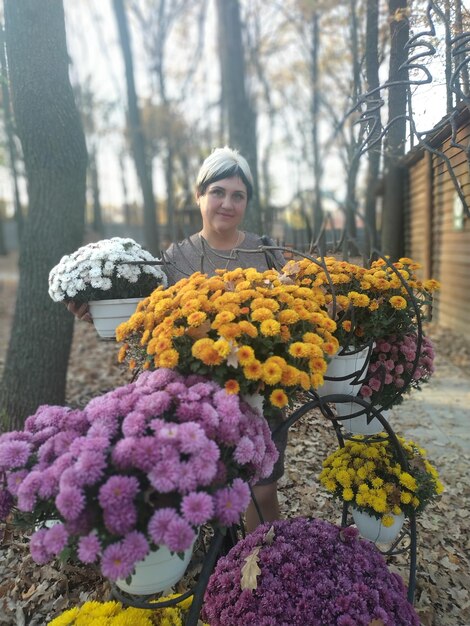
[197, 508]
[159, 523]
[88, 548]
[179, 535]
[116, 563]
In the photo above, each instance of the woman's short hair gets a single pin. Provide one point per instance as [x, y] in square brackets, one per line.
[224, 163]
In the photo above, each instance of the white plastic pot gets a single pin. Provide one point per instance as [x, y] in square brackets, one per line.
[108, 314]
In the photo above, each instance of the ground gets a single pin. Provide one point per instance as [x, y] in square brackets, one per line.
[437, 418]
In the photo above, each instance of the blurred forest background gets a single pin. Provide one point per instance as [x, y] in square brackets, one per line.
[109, 108]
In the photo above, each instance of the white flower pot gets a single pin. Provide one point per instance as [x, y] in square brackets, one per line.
[255, 400]
[159, 570]
[346, 365]
[372, 528]
[108, 314]
[358, 425]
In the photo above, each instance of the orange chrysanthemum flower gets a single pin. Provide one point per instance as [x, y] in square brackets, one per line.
[232, 386]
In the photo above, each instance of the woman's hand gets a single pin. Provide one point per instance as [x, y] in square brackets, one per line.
[80, 310]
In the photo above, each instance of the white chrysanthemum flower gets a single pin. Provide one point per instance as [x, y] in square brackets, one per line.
[110, 264]
[94, 271]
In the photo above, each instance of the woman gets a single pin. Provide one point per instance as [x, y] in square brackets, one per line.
[224, 187]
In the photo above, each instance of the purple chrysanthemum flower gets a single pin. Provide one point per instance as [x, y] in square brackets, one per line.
[159, 523]
[136, 545]
[115, 563]
[244, 451]
[14, 481]
[118, 491]
[187, 480]
[123, 453]
[14, 454]
[192, 437]
[70, 502]
[120, 520]
[147, 452]
[179, 535]
[241, 491]
[28, 490]
[164, 476]
[205, 469]
[49, 484]
[36, 547]
[55, 539]
[197, 508]
[227, 506]
[91, 467]
[88, 548]
[155, 403]
[134, 424]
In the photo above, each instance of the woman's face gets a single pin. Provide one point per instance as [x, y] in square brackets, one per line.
[223, 205]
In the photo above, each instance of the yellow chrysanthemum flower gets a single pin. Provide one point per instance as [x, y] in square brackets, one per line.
[270, 328]
[168, 358]
[288, 316]
[408, 481]
[261, 314]
[196, 318]
[253, 370]
[245, 355]
[406, 497]
[398, 302]
[272, 373]
[299, 350]
[248, 329]
[278, 398]
[223, 347]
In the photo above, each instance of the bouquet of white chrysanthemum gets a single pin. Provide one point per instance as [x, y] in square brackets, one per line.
[107, 269]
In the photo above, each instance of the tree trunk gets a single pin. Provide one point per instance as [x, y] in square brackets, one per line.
[460, 58]
[10, 133]
[142, 163]
[374, 147]
[125, 192]
[392, 217]
[241, 117]
[3, 245]
[448, 56]
[97, 223]
[54, 150]
[317, 162]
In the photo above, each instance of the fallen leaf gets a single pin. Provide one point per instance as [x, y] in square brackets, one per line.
[250, 571]
[269, 536]
[199, 332]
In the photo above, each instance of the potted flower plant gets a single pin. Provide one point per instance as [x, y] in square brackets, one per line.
[115, 614]
[367, 304]
[245, 329]
[368, 475]
[397, 365]
[110, 273]
[131, 477]
[309, 572]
